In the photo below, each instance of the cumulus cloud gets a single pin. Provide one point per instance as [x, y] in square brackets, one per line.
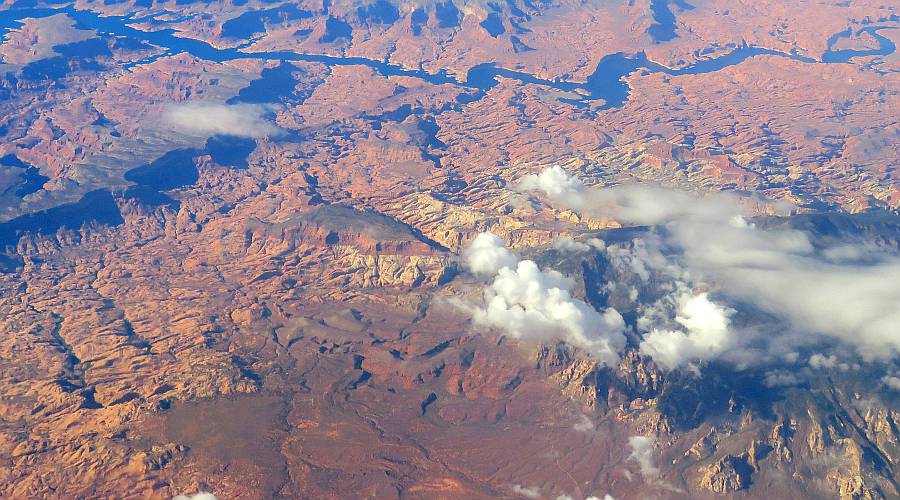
[823, 362]
[584, 424]
[566, 244]
[704, 334]
[527, 492]
[846, 294]
[554, 182]
[487, 254]
[199, 496]
[638, 204]
[776, 378]
[891, 382]
[642, 453]
[208, 118]
[528, 302]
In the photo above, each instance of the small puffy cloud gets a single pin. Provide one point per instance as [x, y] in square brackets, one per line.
[566, 244]
[821, 361]
[596, 243]
[642, 453]
[527, 492]
[553, 182]
[705, 334]
[208, 119]
[529, 302]
[891, 382]
[199, 496]
[487, 254]
[778, 378]
[584, 424]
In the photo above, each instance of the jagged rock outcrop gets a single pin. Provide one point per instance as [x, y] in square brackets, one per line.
[728, 475]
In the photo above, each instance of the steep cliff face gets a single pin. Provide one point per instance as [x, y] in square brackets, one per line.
[826, 441]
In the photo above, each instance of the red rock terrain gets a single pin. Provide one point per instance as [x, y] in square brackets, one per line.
[284, 322]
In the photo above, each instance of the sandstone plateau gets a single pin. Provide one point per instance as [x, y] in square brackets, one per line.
[450, 249]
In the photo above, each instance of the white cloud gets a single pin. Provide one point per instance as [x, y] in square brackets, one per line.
[822, 361]
[605, 497]
[597, 243]
[199, 496]
[532, 303]
[642, 453]
[776, 378]
[891, 382]
[855, 305]
[528, 492]
[705, 334]
[487, 254]
[208, 118]
[584, 424]
[566, 244]
[554, 182]
[842, 294]
[529, 302]
[643, 256]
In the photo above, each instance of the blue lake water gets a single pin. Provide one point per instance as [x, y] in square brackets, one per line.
[254, 21]
[380, 12]
[605, 83]
[230, 151]
[417, 20]
[32, 180]
[97, 206]
[176, 169]
[885, 46]
[173, 170]
[448, 15]
[663, 29]
[335, 30]
[272, 84]
[493, 24]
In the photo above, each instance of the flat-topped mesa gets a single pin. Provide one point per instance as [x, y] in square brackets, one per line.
[369, 232]
[365, 243]
[662, 155]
